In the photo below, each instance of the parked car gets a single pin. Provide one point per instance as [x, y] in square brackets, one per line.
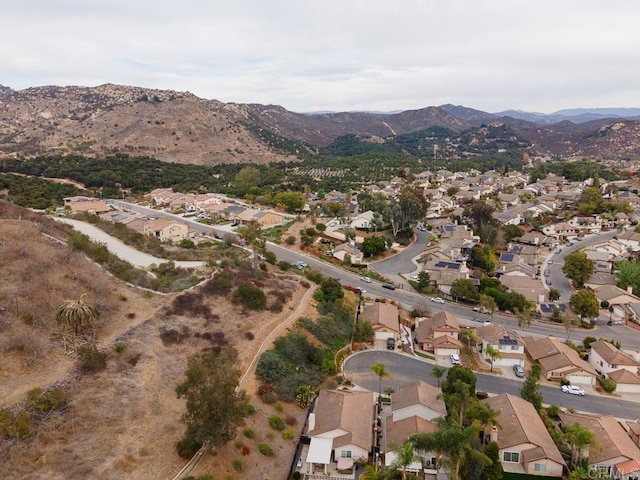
[299, 464]
[518, 370]
[573, 390]
[365, 279]
[437, 300]
[550, 261]
[559, 250]
[388, 286]
[301, 265]
[548, 282]
[570, 244]
[391, 344]
[547, 273]
[455, 359]
[478, 319]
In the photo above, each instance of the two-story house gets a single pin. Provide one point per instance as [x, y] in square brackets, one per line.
[438, 334]
[509, 346]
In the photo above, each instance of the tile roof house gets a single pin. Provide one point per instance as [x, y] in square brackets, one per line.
[340, 428]
[614, 452]
[384, 318]
[438, 334]
[527, 286]
[166, 230]
[418, 398]
[81, 204]
[619, 366]
[626, 381]
[510, 346]
[525, 445]
[559, 361]
[444, 273]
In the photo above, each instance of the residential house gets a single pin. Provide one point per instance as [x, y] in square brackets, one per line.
[530, 288]
[525, 445]
[363, 221]
[509, 346]
[559, 361]
[341, 251]
[633, 428]
[560, 231]
[341, 429]
[626, 381]
[264, 218]
[384, 319]
[534, 238]
[631, 239]
[614, 452]
[166, 230]
[444, 273]
[618, 298]
[417, 399]
[79, 204]
[619, 366]
[439, 334]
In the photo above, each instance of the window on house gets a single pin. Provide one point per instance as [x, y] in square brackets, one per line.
[539, 467]
[514, 347]
[513, 457]
[345, 453]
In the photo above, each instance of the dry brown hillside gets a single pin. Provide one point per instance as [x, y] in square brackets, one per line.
[124, 421]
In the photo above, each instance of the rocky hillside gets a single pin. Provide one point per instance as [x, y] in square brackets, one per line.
[180, 127]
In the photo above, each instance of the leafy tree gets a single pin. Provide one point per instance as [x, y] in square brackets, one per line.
[77, 317]
[488, 304]
[483, 257]
[578, 267]
[554, 294]
[438, 372]
[464, 289]
[250, 296]
[479, 213]
[245, 179]
[362, 331]
[584, 304]
[334, 209]
[579, 438]
[459, 391]
[523, 316]
[251, 233]
[530, 390]
[291, 201]
[511, 232]
[405, 456]
[272, 367]
[214, 408]
[381, 371]
[570, 322]
[492, 353]
[494, 470]
[331, 289]
[372, 246]
[423, 282]
[627, 273]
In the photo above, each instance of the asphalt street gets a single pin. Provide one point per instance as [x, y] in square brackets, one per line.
[405, 369]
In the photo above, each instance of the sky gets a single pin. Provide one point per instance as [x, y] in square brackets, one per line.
[335, 55]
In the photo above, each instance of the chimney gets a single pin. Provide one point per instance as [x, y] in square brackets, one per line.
[630, 289]
[494, 434]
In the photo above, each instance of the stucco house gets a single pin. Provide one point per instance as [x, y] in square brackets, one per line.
[341, 251]
[525, 445]
[384, 318]
[418, 398]
[607, 358]
[559, 361]
[438, 334]
[341, 430]
[510, 346]
[166, 230]
[614, 452]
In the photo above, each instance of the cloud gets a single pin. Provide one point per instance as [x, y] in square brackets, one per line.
[336, 55]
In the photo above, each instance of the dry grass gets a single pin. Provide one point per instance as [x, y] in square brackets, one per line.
[124, 421]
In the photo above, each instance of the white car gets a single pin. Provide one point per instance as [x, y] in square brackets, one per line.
[572, 389]
[299, 464]
[455, 359]
[365, 279]
[437, 300]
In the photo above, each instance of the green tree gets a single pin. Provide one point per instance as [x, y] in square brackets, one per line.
[530, 390]
[424, 280]
[579, 438]
[554, 294]
[381, 372]
[464, 289]
[492, 353]
[363, 331]
[246, 178]
[483, 257]
[584, 304]
[488, 304]
[494, 470]
[511, 232]
[578, 267]
[291, 201]
[251, 233]
[77, 317]
[331, 289]
[405, 456]
[250, 296]
[627, 273]
[479, 213]
[523, 316]
[438, 372]
[372, 246]
[214, 408]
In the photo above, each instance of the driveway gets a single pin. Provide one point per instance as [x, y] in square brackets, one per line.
[118, 248]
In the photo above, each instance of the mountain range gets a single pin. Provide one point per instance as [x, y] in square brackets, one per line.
[181, 127]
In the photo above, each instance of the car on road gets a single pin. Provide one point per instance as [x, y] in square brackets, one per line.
[437, 300]
[573, 390]
[550, 261]
[558, 250]
[391, 344]
[413, 276]
[455, 359]
[365, 279]
[547, 272]
[518, 370]
[388, 286]
[478, 319]
[548, 282]
[299, 464]
[570, 244]
[301, 265]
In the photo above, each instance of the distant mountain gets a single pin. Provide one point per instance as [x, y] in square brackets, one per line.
[180, 127]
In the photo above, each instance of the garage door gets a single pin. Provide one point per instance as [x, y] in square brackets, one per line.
[383, 335]
[580, 379]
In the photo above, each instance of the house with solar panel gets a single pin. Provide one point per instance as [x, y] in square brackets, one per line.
[510, 346]
[444, 273]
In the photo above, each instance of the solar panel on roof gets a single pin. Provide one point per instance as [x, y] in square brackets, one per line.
[506, 257]
[449, 228]
[546, 308]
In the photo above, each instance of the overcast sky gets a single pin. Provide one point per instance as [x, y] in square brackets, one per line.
[493, 55]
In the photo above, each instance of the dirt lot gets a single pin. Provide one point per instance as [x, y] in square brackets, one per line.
[124, 421]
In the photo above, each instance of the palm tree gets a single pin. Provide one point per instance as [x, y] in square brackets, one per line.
[579, 438]
[372, 473]
[438, 373]
[469, 335]
[381, 371]
[77, 316]
[492, 353]
[405, 456]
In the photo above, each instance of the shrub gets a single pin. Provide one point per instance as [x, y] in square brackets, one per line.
[91, 360]
[45, 401]
[564, 381]
[265, 450]
[237, 465]
[250, 409]
[119, 347]
[290, 240]
[187, 447]
[278, 406]
[14, 425]
[276, 422]
[290, 420]
[288, 434]
[249, 432]
[250, 296]
[607, 384]
[553, 412]
[238, 444]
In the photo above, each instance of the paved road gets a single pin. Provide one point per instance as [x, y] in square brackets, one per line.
[118, 248]
[408, 298]
[401, 263]
[406, 369]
